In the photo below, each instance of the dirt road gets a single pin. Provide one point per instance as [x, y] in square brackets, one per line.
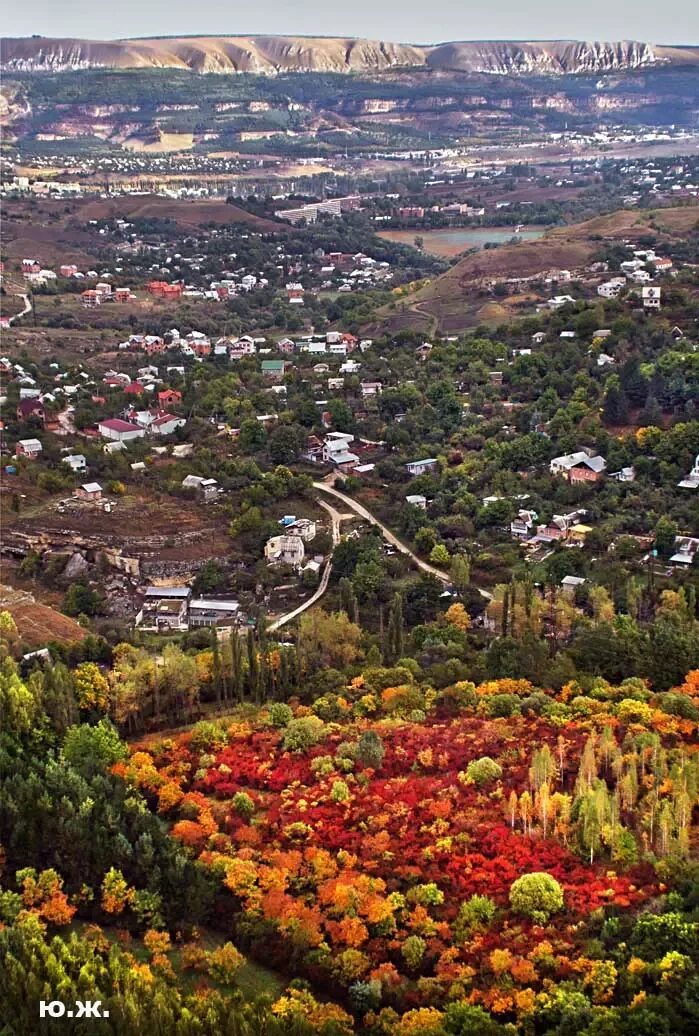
[389, 536]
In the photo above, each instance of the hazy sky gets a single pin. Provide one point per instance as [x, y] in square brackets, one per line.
[405, 21]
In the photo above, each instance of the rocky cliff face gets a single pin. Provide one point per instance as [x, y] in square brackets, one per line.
[274, 54]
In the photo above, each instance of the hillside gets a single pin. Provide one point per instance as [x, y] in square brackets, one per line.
[449, 303]
[273, 54]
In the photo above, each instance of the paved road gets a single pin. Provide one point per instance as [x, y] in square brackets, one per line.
[389, 536]
[335, 518]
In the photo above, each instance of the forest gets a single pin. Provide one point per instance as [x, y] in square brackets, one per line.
[468, 857]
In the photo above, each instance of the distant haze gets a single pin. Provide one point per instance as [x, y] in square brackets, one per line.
[392, 20]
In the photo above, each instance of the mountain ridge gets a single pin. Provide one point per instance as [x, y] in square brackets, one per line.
[271, 55]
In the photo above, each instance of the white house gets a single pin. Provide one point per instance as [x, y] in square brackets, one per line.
[417, 500]
[611, 289]
[166, 424]
[419, 467]
[285, 550]
[558, 301]
[120, 431]
[686, 549]
[692, 479]
[303, 527]
[76, 461]
[29, 448]
[336, 449]
[651, 297]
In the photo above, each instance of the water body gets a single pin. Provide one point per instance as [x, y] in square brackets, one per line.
[459, 239]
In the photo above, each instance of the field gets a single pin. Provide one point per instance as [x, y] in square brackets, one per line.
[453, 241]
[37, 624]
[185, 213]
[142, 525]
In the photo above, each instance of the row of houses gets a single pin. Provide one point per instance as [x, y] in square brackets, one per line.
[168, 609]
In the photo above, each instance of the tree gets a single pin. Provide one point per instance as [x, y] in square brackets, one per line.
[481, 771]
[81, 600]
[370, 750]
[439, 555]
[285, 443]
[456, 615]
[91, 688]
[393, 641]
[460, 572]
[616, 404]
[327, 640]
[91, 750]
[665, 534]
[536, 896]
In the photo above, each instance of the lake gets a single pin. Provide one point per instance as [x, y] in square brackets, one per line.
[450, 242]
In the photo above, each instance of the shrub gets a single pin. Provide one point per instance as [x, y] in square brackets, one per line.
[536, 896]
[476, 914]
[301, 734]
[206, 734]
[480, 771]
[426, 895]
[631, 711]
[370, 750]
[502, 705]
[413, 950]
[280, 715]
[243, 804]
[340, 792]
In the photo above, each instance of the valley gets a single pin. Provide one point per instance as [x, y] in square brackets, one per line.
[349, 478]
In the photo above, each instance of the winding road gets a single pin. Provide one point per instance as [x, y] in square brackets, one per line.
[27, 309]
[337, 517]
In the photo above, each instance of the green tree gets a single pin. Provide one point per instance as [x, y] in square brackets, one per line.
[536, 896]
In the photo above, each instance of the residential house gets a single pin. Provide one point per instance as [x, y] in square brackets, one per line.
[29, 448]
[303, 527]
[522, 527]
[285, 550]
[31, 409]
[686, 550]
[91, 298]
[370, 388]
[651, 297]
[417, 500]
[611, 289]
[120, 431]
[569, 584]
[274, 369]
[578, 467]
[76, 461]
[169, 397]
[336, 450]
[166, 424]
[89, 491]
[420, 467]
[207, 488]
[164, 608]
[286, 345]
[313, 450]
[212, 612]
[692, 479]
[558, 301]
